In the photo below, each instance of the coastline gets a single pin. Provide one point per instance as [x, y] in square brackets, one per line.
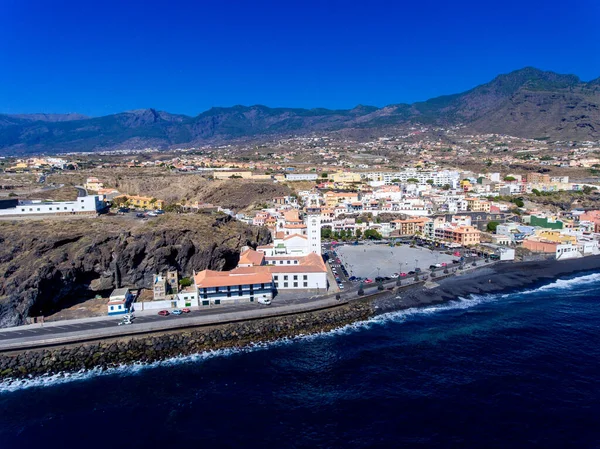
[501, 277]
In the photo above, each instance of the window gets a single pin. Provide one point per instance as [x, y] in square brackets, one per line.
[65, 208]
[306, 284]
[289, 262]
[217, 289]
[112, 308]
[285, 278]
[229, 294]
[217, 301]
[305, 277]
[295, 284]
[295, 277]
[48, 208]
[296, 262]
[275, 278]
[205, 303]
[262, 285]
[38, 209]
[276, 284]
[22, 210]
[285, 284]
[240, 293]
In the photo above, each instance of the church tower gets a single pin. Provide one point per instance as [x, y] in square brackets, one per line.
[313, 223]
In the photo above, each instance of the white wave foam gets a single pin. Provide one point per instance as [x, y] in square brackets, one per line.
[10, 385]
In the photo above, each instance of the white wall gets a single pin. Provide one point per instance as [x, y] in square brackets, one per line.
[90, 203]
[314, 280]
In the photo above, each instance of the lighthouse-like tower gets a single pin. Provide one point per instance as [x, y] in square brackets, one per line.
[313, 223]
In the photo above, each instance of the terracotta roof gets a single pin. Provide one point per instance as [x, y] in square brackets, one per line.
[209, 278]
[287, 237]
[251, 257]
[312, 263]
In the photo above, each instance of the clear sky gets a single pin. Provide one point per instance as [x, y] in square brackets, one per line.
[101, 57]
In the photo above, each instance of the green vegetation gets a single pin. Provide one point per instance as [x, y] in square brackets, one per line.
[185, 282]
[492, 225]
[413, 180]
[372, 234]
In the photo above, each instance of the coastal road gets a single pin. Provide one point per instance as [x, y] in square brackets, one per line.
[55, 328]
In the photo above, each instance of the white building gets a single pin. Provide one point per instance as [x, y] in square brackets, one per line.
[87, 205]
[119, 302]
[301, 177]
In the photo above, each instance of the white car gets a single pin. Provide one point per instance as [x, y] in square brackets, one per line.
[265, 301]
[394, 276]
[341, 286]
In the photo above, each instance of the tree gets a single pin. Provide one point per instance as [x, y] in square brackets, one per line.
[430, 181]
[324, 175]
[519, 202]
[185, 282]
[446, 187]
[412, 180]
[396, 180]
[536, 192]
[372, 234]
[588, 189]
[492, 225]
[510, 178]
[325, 233]
[358, 233]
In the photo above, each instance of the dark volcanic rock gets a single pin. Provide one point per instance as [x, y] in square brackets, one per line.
[49, 265]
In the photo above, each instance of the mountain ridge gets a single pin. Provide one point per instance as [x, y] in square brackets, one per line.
[527, 103]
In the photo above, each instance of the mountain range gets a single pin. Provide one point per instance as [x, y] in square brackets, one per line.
[527, 103]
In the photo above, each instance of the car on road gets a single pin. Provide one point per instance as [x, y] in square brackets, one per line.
[352, 278]
[185, 310]
[152, 214]
[159, 212]
[164, 313]
[394, 276]
[368, 281]
[123, 210]
[403, 275]
[341, 286]
[140, 215]
[410, 273]
[265, 301]
[177, 312]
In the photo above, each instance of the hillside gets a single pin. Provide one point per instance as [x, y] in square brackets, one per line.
[526, 103]
[77, 258]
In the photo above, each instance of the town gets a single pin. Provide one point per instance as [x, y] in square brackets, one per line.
[434, 197]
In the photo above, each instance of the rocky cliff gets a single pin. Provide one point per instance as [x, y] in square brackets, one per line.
[47, 265]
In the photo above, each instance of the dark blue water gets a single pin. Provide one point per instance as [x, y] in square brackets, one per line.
[518, 370]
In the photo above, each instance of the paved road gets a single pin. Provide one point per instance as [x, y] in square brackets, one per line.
[57, 327]
[81, 191]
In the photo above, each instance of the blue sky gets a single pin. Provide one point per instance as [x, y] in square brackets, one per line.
[102, 57]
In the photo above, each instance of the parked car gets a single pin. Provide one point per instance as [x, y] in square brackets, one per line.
[159, 212]
[164, 313]
[177, 312]
[341, 286]
[394, 276]
[403, 275]
[410, 273]
[123, 210]
[140, 215]
[368, 281]
[265, 301]
[185, 310]
[352, 278]
[152, 214]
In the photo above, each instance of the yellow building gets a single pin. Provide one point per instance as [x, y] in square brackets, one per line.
[556, 236]
[478, 205]
[93, 184]
[332, 199]
[345, 177]
[145, 202]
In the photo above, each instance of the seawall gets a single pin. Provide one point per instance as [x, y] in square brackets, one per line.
[160, 346]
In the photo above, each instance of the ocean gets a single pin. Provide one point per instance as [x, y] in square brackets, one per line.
[512, 370]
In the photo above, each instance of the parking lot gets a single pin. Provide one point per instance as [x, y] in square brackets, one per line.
[370, 260]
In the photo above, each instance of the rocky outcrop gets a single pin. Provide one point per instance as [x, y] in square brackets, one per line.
[48, 265]
[150, 348]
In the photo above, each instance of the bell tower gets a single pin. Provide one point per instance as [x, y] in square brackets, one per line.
[313, 223]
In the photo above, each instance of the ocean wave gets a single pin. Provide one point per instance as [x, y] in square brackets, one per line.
[461, 303]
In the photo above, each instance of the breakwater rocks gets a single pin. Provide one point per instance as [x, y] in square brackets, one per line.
[154, 347]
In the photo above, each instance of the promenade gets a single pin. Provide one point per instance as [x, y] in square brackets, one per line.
[95, 328]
